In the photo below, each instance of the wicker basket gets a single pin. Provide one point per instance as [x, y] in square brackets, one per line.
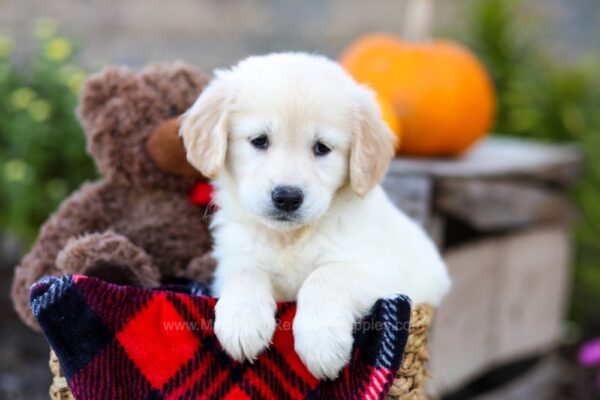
[408, 385]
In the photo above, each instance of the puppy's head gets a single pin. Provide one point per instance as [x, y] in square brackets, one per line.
[285, 133]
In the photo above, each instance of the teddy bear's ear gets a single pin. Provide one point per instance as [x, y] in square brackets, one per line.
[165, 148]
[176, 84]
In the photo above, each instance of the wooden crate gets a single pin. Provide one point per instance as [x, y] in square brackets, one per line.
[501, 216]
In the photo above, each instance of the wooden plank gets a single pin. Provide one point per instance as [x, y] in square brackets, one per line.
[461, 336]
[501, 204]
[507, 301]
[436, 229]
[533, 276]
[412, 194]
[499, 156]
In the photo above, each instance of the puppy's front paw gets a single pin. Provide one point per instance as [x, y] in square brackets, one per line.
[244, 329]
[323, 341]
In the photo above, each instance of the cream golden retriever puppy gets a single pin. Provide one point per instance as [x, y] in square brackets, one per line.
[296, 149]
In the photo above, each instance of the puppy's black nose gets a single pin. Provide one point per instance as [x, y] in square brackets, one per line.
[287, 198]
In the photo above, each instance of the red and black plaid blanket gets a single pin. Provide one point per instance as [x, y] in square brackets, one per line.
[121, 342]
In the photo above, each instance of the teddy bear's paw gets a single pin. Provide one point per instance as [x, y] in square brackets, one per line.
[110, 257]
[244, 329]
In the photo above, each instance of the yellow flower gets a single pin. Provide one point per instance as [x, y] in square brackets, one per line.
[39, 110]
[75, 81]
[72, 76]
[45, 28]
[6, 46]
[58, 49]
[21, 98]
[15, 170]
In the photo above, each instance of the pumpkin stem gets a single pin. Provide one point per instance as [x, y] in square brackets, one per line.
[418, 20]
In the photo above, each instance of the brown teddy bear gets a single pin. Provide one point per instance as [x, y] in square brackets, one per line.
[136, 225]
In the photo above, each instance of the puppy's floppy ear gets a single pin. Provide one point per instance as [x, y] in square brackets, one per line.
[204, 128]
[373, 144]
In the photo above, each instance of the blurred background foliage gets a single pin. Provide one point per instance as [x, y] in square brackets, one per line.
[41, 142]
[42, 146]
[553, 100]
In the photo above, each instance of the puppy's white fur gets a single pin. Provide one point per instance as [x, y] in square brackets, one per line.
[344, 248]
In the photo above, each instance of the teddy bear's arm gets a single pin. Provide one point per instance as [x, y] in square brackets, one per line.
[110, 257]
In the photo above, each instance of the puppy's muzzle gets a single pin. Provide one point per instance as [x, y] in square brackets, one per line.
[287, 198]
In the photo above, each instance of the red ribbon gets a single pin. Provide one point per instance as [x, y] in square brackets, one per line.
[201, 194]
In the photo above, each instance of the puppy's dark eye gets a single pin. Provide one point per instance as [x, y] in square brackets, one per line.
[321, 149]
[261, 142]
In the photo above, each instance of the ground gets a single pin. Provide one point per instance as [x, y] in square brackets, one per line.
[24, 373]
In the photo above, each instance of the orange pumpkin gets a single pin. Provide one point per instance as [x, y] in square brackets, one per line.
[388, 114]
[441, 93]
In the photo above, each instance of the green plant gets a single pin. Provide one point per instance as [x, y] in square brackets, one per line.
[556, 101]
[42, 147]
